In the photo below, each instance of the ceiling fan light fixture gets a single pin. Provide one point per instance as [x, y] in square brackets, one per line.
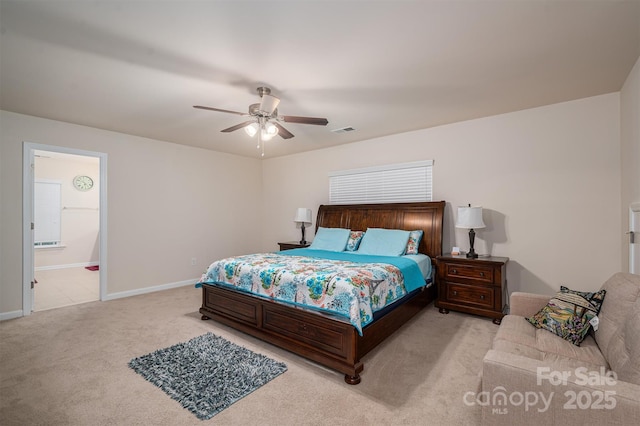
[251, 129]
[269, 131]
[268, 104]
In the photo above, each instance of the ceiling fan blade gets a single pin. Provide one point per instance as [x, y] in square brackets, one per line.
[237, 126]
[284, 133]
[220, 110]
[305, 120]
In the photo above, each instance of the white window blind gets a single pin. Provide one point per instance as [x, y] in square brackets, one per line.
[397, 183]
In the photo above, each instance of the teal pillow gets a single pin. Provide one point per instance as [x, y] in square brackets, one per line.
[331, 239]
[568, 314]
[384, 242]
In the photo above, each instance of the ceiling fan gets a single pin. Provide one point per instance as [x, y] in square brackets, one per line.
[265, 119]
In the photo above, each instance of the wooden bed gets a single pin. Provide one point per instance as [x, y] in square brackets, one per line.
[323, 338]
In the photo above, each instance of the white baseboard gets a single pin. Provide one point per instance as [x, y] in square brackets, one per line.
[70, 265]
[145, 290]
[17, 314]
[10, 315]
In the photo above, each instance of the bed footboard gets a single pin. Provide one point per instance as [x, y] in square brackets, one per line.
[324, 339]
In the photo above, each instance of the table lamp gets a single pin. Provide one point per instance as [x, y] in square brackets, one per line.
[470, 218]
[303, 216]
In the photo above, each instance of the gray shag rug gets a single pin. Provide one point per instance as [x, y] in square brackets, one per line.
[208, 373]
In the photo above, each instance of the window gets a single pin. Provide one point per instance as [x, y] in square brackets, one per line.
[47, 213]
[397, 183]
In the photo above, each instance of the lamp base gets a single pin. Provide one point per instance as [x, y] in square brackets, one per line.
[472, 253]
[303, 241]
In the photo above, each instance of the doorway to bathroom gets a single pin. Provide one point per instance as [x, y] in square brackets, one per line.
[65, 247]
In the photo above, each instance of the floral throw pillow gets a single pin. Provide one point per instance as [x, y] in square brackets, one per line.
[568, 314]
[414, 242]
[354, 240]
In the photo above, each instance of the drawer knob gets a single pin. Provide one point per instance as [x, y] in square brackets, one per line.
[482, 274]
[455, 271]
[482, 297]
[455, 293]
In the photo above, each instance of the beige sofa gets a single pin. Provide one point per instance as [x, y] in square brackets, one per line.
[531, 376]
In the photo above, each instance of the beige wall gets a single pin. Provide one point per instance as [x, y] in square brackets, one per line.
[630, 147]
[548, 178]
[80, 218]
[167, 203]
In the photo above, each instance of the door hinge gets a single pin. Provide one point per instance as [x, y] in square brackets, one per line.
[32, 227]
[632, 237]
[33, 284]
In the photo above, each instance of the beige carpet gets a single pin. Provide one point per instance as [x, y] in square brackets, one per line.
[68, 366]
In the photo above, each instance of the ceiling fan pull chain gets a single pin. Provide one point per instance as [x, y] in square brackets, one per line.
[260, 141]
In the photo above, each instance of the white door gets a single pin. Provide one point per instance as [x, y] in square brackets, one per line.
[634, 238]
[27, 234]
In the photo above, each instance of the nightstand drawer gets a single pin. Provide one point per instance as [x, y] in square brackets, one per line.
[470, 295]
[474, 272]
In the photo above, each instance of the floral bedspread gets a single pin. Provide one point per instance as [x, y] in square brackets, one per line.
[353, 289]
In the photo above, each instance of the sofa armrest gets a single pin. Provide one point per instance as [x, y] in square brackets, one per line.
[526, 304]
[523, 391]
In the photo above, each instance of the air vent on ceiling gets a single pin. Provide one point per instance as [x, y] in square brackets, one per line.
[344, 130]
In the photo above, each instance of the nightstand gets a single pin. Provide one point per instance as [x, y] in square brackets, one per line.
[293, 245]
[476, 286]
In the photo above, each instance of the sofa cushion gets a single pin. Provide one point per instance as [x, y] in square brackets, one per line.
[568, 314]
[516, 329]
[619, 323]
[516, 336]
[628, 358]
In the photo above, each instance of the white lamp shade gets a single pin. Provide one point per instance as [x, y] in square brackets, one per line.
[268, 104]
[269, 131]
[251, 129]
[303, 215]
[470, 217]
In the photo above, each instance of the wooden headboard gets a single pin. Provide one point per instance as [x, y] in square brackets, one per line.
[408, 216]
